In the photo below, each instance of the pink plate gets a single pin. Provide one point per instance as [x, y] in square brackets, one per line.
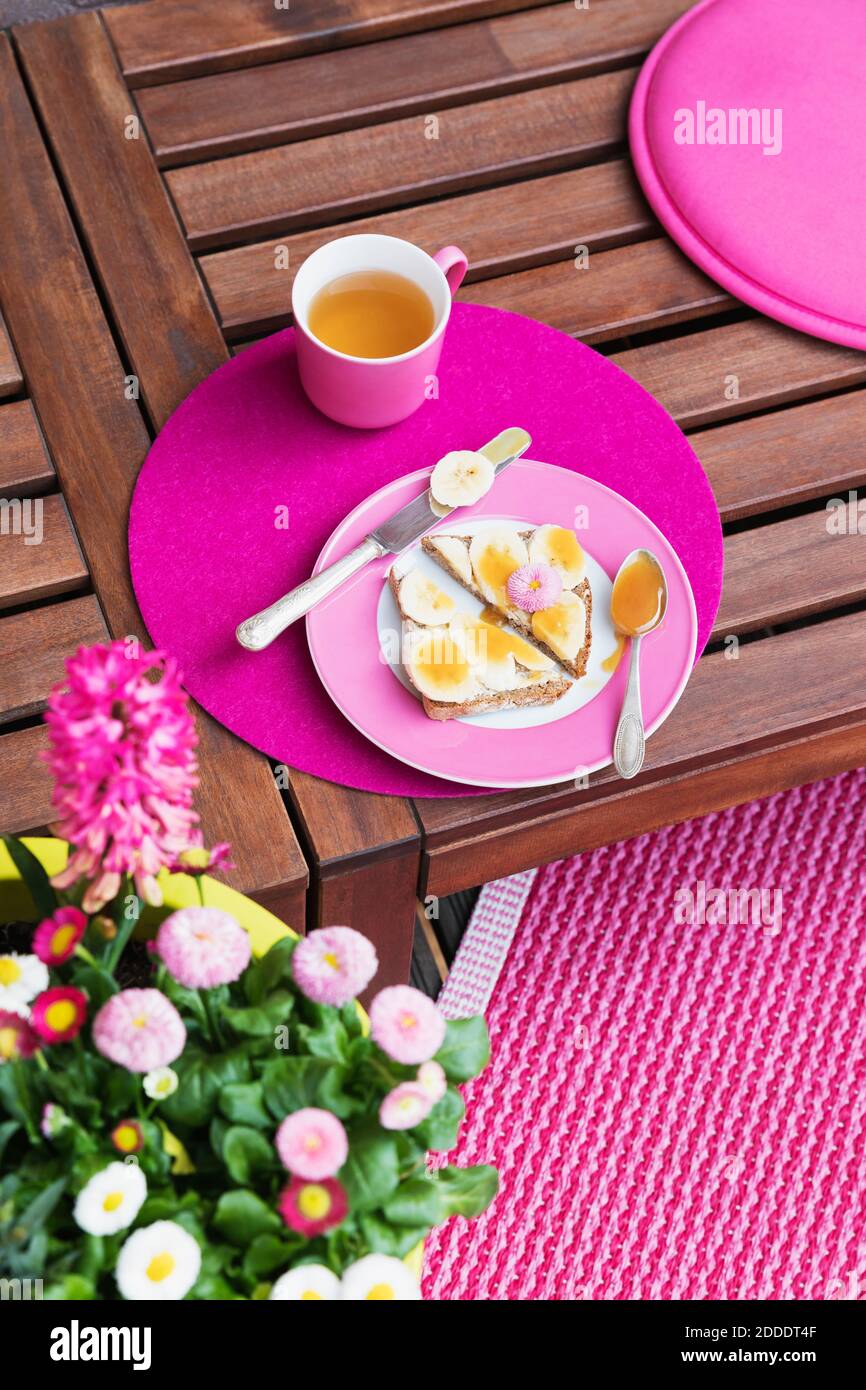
[344, 642]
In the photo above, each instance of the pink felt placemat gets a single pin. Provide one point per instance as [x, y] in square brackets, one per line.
[747, 134]
[247, 480]
[676, 1099]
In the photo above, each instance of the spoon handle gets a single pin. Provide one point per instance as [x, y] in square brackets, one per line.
[629, 745]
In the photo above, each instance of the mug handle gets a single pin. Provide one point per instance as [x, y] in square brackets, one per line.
[454, 265]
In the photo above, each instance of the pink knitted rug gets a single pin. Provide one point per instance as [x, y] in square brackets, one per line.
[676, 1101]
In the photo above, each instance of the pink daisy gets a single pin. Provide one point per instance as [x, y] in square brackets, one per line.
[56, 938]
[197, 860]
[57, 1015]
[139, 1029]
[333, 965]
[203, 947]
[311, 1208]
[405, 1107]
[312, 1144]
[406, 1024]
[17, 1038]
[534, 587]
[432, 1079]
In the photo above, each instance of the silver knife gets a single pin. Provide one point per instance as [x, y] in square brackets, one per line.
[406, 526]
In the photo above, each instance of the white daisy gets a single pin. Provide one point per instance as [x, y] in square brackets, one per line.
[111, 1200]
[160, 1083]
[305, 1283]
[161, 1261]
[21, 979]
[379, 1277]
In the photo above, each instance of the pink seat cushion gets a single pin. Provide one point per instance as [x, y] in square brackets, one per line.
[783, 231]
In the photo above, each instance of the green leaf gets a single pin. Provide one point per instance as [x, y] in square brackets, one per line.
[72, 1287]
[466, 1049]
[273, 969]
[331, 1094]
[467, 1191]
[385, 1239]
[214, 1289]
[7, 1130]
[201, 1077]
[291, 1083]
[439, 1131]
[260, 1020]
[327, 1038]
[37, 1213]
[122, 1090]
[245, 1152]
[33, 876]
[416, 1203]
[241, 1216]
[241, 1102]
[267, 1254]
[372, 1171]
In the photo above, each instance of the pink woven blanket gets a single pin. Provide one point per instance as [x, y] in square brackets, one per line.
[676, 1098]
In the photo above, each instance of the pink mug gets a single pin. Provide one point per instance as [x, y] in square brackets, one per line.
[371, 392]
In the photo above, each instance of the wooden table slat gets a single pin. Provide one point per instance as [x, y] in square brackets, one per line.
[11, 380]
[613, 293]
[25, 467]
[35, 645]
[253, 195]
[249, 109]
[97, 440]
[39, 553]
[171, 39]
[25, 783]
[789, 570]
[742, 367]
[501, 230]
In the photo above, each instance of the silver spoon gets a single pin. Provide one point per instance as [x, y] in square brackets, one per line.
[629, 745]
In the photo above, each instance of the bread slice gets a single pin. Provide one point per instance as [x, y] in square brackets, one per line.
[520, 620]
[537, 687]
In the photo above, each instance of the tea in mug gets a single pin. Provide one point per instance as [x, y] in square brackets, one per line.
[371, 313]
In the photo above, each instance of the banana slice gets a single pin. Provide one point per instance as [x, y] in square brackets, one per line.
[455, 554]
[563, 627]
[436, 507]
[488, 645]
[461, 478]
[558, 547]
[439, 668]
[495, 553]
[423, 601]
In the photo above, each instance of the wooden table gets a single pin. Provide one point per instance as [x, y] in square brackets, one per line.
[153, 157]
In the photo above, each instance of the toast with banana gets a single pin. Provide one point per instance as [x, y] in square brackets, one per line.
[462, 665]
[485, 562]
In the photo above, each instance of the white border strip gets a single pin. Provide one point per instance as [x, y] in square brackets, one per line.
[481, 956]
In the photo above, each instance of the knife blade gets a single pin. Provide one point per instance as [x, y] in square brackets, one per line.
[405, 527]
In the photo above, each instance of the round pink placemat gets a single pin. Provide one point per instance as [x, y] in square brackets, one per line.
[247, 481]
[782, 230]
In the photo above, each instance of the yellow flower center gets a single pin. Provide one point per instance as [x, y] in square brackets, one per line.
[408, 1021]
[62, 940]
[309, 1294]
[112, 1201]
[380, 1292]
[535, 583]
[160, 1267]
[163, 1085]
[140, 1022]
[314, 1201]
[8, 1043]
[312, 1143]
[330, 959]
[60, 1016]
[126, 1138]
[10, 970]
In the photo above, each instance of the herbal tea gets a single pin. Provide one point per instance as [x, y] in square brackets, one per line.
[371, 313]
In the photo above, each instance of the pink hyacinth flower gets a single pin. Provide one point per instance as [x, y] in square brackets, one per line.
[534, 587]
[139, 1029]
[333, 965]
[406, 1024]
[203, 947]
[404, 1107]
[121, 754]
[312, 1144]
[55, 939]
